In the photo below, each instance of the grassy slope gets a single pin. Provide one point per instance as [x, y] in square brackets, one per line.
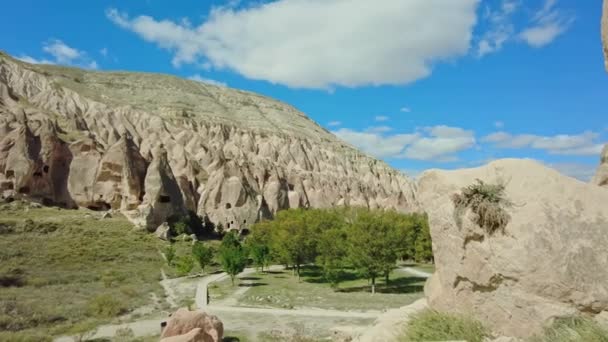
[283, 290]
[63, 272]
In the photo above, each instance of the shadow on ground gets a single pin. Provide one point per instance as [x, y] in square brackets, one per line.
[252, 284]
[399, 285]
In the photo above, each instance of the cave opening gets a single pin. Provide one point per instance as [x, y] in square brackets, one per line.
[228, 205]
[45, 168]
[24, 190]
[164, 199]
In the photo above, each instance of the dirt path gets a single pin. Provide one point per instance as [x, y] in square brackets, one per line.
[295, 312]
[168, 289]
[416, 272]
[201, 289]
[243, 319]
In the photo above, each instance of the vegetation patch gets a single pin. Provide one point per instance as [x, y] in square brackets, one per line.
[573, 329]
[488, 204]
[281, 289]
[102, 266]
[430, 325]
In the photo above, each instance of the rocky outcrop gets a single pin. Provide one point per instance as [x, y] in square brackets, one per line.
[185, 325]
[163, 197]
[119, 182]
[601, 175]
[234, 156]
[549, 261]
[34, 166]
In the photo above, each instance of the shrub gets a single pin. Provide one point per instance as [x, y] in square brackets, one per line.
[124, 334]
[487, 202]
[573, 329]
[106, 305]
[184, 265]
[431, 325]
[203, 254]
[170, 254]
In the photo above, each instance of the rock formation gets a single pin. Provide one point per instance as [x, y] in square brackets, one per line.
[229, 155]
[549, 262]
[601, 176]
[197, 326]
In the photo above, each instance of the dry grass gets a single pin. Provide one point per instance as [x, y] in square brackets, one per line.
[430, 325]
[573, 329]
[488, 204]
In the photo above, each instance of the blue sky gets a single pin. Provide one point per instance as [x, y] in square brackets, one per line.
[418, 83]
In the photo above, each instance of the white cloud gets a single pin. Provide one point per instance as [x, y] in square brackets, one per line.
[62, 54]
[499, 124]
[319, 43]
[199, 78]
[334, 123]
[584, 144]
[381, 118]
[104, 52]
[438, 143]
[32, 60]
[376, 144]
[379, 129]
[442, 144]
[501, 28]
[548, 23]
[405, 109]
[543, 26]
[583, 172]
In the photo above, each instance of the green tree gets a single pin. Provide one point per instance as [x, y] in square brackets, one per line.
[332, 256]
[233, 256]
[184, 265]
[203, 254]
[294, 238]
[170, 254]
[373, 244]
[260, 253]
[423, 244]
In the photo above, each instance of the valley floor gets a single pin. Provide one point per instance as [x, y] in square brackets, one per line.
[73, 273]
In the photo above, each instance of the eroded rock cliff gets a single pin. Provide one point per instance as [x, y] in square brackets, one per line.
[601, 175]
[151, 144]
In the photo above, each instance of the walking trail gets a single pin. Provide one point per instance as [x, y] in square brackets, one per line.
[416, 272]
[241, 317]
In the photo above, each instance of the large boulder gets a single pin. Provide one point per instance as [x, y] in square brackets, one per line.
[601, 176]
[183, 321]
[549, 261]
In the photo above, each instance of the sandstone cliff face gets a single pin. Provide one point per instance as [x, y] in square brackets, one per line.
[550, 261]
[234, 156]
[601, 176]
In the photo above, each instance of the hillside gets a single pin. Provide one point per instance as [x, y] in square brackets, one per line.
[153, 145]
